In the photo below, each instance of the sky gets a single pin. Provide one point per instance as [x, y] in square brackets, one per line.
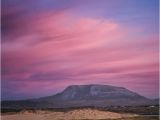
[48, 45]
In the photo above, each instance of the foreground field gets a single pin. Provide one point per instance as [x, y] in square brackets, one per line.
[74, 114]
[77, 114]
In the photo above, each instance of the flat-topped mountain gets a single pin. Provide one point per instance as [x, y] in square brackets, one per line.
[94, 92]
[84, 95]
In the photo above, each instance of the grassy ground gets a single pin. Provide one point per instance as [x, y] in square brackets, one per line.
[141, 110]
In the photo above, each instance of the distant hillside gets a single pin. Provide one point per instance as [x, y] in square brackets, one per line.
[156, 101]
[84, 95]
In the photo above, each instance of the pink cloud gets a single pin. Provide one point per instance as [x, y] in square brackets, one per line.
[54, 50]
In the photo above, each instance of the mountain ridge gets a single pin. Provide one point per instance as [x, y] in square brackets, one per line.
[91, 88]
[84, 95]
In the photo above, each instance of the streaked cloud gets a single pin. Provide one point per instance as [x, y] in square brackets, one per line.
[53, 49]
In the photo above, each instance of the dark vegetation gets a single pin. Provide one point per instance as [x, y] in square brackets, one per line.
[141, 110]
[133, 118]
[141, 118]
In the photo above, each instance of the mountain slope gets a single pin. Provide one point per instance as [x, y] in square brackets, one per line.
[84, 95]
[96, 92]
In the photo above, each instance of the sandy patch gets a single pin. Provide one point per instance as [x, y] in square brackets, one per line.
[70, 115]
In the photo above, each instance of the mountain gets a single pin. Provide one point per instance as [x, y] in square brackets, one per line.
[84, 95]
[156, 101]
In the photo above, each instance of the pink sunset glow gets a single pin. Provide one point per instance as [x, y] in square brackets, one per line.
[44, 53]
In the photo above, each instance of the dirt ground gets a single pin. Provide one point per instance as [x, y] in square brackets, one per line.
[70, 115]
